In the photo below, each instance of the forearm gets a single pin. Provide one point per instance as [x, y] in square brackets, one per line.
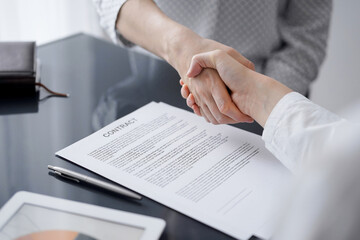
[264, 95]
[144, 24]
[269, 94]
[297, 130]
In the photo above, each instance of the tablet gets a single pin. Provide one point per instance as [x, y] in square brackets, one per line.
[33, 216]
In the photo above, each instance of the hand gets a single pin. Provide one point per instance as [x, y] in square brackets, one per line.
[230, 71]
[208, 91]
[253, 93]
[215, 105]
[144, 24]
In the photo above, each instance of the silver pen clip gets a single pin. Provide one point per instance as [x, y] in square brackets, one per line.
[67, 177]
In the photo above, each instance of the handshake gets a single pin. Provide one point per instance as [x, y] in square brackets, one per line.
[224, 88]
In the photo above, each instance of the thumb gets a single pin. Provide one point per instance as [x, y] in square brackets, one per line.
[229, 69]
[200, 61]
[213, 60]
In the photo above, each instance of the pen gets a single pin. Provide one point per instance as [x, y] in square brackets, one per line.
[77, 177]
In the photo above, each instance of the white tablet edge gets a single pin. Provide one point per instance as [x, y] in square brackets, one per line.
[153, 227]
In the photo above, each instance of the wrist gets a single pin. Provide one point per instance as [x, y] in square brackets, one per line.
[265, 93]
[178, 48]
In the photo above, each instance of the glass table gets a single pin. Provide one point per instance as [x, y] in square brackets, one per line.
[105, 82]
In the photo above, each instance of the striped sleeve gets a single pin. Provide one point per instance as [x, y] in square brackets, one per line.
[108, 11]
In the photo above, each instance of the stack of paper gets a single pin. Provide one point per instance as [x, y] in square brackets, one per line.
[217, 174]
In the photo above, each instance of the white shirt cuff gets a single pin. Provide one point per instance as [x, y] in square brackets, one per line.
[275, 117]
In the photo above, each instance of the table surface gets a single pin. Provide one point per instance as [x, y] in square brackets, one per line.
[103, 86]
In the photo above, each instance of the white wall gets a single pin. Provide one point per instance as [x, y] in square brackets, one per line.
[46, 20]
[338, 84]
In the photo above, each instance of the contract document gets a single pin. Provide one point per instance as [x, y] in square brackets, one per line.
[219, 175]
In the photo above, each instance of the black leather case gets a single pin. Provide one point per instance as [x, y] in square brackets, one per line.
[17, 67]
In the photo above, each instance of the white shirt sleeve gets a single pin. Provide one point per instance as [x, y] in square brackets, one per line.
[297, 129]
[325, 201]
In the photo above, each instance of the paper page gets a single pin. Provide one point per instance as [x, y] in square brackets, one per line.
[220, 175]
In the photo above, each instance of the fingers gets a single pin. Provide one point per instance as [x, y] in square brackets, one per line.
[208, 114]
[227, 107]
[190, 100]
[212, 115]
[203, 111]
[196, 110]
[213, 99]
[218, 116]
[185, 91]
[215, 104]
[203, 114]
[240, 58]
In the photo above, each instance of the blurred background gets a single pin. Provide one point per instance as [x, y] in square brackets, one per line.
[43, 21]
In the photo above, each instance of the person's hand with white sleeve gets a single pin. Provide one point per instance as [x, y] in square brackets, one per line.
[253, 93]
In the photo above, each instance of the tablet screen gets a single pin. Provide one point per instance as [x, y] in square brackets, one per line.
[37, 222]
